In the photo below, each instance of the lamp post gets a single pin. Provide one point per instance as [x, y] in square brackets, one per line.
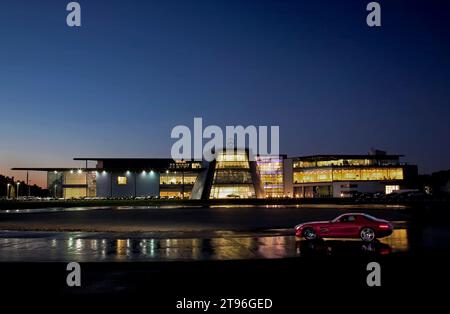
[7, 190]
[54, 193]
[28, 186]
[17, 193]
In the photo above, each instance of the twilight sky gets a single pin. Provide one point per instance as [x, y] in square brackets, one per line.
[116, 86]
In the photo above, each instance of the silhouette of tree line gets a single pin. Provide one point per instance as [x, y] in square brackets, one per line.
[24, 189]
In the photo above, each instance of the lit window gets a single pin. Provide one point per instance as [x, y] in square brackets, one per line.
[121, 180]
[391, 188]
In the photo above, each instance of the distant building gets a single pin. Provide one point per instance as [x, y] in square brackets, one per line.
[232, 175]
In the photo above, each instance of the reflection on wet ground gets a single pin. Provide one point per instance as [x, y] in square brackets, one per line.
[97, 247]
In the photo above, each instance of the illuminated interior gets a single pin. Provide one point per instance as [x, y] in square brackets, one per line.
[232, 177]
[174, 194]
[391, 188]
[357, 174]
[121, 180]
[344, 162]
[233, 159]
[74, 192]
[271, 173]
[74, 177]
[74, 184]
[233, 191]
[177, 178]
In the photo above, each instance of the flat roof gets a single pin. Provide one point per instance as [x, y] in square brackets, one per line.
[54, 169]
[337, 157]
[123, 158]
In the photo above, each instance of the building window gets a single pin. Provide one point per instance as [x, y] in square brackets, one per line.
[177, 178]
[121, 180]
[271, 173]
[392, 188]
[233, 191]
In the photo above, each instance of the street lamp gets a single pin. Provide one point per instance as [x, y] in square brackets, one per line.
[17, 194]
[54, 194]
[7, 190]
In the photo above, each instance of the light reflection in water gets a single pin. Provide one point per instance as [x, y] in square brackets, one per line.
[398, 240]
[79, 248]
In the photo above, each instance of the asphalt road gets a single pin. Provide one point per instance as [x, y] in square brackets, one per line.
[145, 219]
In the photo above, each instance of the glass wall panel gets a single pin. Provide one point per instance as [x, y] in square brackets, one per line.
[234, 159]
[346, 174]
[271, 173]
[122, 180]
[345, 162]
[177, 178]
[74, 177]
[304, 164]
[246, 191]
[92, 184]
[55, 180]
[174, 194]
[395, 173]
[323, 175]
[232, 176]
[74, 192]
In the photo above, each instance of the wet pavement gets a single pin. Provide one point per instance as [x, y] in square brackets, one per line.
[147, 234]
[103, 247]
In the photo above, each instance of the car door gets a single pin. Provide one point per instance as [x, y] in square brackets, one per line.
[345, 227]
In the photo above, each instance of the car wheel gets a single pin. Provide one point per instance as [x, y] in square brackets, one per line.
[309, 234]
[367, 234]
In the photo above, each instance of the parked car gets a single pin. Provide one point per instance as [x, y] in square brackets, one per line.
[350, 225]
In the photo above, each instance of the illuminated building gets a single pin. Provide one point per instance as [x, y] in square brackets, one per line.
[235, 176]
[232, 175]
[347, 175]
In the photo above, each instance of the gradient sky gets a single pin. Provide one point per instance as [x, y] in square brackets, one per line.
[135, 69]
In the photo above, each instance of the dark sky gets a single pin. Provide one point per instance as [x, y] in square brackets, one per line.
[117, 85]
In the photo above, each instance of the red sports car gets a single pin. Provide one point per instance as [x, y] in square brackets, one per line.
[349, 225]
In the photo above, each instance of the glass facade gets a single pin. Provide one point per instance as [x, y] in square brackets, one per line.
[177, 178]
[74, 184]
[348, 174]
[345, 162]
[271, 173]
[232, 176]
[232, 159]
[92, 183]
[179, 183]
[174, 194]
[55, 180]
[232, 191]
